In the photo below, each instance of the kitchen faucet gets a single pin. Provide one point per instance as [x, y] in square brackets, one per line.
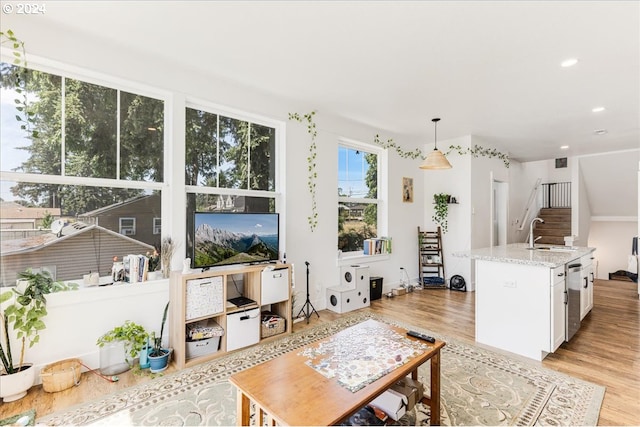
[531, 239]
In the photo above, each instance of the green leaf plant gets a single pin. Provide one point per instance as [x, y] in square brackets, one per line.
[133, 336]
[441, 210]
[311, 164]
[23, 312]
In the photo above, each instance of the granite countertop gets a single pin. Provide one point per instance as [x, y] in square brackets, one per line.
[517, 253]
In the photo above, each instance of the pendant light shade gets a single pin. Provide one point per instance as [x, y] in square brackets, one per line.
[435, 159]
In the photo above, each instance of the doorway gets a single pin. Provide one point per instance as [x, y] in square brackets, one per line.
[499, 206]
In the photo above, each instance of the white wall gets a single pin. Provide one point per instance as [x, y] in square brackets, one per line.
[454, 181]
[612, 240]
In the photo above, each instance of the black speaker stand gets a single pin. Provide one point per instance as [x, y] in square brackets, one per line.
[307, 304]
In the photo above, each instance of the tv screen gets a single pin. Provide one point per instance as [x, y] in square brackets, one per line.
[224, 238]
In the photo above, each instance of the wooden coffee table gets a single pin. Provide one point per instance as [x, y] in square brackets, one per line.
[289, 392]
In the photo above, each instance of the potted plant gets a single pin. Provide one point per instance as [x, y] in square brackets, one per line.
[441, 210]
[155, 265]
[120, 346]
[167, 247]
[158, 356]
[23, 311]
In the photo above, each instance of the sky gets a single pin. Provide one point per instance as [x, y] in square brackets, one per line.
[352, 170]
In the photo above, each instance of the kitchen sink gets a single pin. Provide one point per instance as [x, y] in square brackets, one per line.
[556, 248]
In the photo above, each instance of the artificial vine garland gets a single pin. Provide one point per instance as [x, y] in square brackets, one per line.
[480, 151]
[475, 151]
[311, 164]
[24, 116]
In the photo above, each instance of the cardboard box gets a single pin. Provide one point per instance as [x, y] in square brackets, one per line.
[413, 389]
[392, 403]
[399, 291]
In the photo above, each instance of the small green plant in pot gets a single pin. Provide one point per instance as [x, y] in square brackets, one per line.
[23, 311]
[131, 337]
[441, 210]
[158, 356]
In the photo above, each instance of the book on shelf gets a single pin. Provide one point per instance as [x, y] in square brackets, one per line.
[377, 246]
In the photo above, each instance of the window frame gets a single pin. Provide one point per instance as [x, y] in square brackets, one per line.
[157, 228]
[122, 228]
[382, 192]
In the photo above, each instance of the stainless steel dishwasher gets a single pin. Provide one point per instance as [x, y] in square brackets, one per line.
[572, 313]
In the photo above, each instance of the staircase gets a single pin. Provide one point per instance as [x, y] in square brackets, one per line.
[556, 225]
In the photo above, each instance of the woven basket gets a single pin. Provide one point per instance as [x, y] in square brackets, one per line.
[60, 375]
[274, 326]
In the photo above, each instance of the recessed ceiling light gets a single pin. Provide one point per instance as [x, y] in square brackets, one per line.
[569, 62]
[600, 131]
[564, 147]
[598, 109]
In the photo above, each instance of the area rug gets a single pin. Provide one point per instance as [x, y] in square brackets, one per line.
[479, 387]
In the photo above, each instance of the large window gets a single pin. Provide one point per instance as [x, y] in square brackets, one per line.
[358, 168]
[230, 165]
[82, 155]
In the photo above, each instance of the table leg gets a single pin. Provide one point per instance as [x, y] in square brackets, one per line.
[435, 389]
[242, 409]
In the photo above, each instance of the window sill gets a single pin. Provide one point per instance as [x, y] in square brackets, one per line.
[361, 258]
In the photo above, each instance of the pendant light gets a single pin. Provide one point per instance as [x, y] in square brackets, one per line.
[435, 159]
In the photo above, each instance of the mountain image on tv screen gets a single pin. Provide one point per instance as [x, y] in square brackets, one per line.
[233, 238]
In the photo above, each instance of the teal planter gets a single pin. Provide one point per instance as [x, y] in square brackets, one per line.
[160, 363]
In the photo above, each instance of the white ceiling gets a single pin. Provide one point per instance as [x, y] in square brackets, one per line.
[489, 69]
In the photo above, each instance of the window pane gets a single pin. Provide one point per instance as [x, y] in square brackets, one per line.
[263, 158]
[357, 173]
[141, 138]
[29, 238]
[356, 222]
[201, 141]
[90, 130]
[233, 153]
[33, 147]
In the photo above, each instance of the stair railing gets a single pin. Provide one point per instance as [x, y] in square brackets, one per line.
[556, 195]
[529, 205]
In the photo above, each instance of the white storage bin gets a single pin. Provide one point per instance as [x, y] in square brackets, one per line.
[243, 329]
[274, 285]
[204, 297]
[202, 347]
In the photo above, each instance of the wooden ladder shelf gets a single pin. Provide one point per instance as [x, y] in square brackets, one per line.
[431, 260]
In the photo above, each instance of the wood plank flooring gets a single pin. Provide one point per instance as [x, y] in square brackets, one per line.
[606, 349]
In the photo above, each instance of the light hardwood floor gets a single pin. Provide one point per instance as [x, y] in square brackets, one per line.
[605, 351]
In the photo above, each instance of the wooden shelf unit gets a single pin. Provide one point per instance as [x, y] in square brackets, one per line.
[430, 258]
[252, 284]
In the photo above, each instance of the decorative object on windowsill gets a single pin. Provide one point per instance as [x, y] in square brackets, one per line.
[435, 159]
[311, 164]
[167, 248]
[441, 210]
[23, 311]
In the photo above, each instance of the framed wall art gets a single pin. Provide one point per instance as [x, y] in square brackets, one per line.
[407, 190]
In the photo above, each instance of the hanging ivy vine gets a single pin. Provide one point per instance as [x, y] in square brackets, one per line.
[479, 151]
[312, 174]
[25, 117]
[389, 143]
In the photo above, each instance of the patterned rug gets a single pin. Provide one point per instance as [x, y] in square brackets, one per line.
[479, 387]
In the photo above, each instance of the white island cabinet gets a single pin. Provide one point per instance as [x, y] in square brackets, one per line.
[521, 297]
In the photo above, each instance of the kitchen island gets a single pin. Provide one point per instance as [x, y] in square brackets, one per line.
[521, 295]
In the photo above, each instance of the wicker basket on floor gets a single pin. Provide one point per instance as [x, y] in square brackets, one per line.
[60, 375]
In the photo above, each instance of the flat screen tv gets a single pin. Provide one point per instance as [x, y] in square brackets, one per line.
[225, 238]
